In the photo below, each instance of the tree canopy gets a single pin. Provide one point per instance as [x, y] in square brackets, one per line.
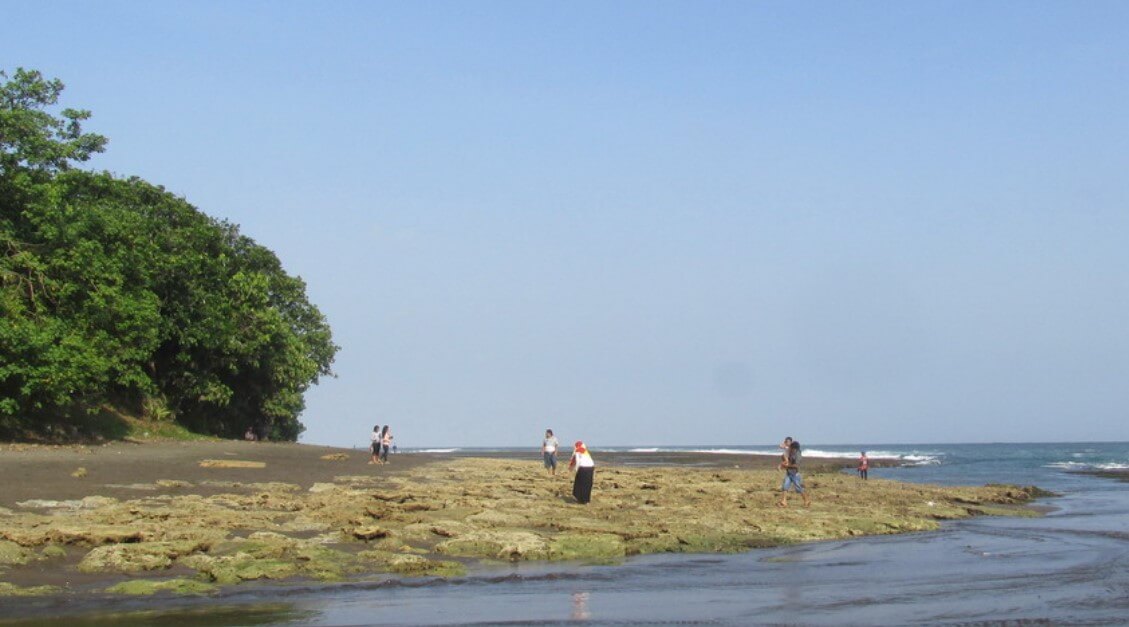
[117, 293]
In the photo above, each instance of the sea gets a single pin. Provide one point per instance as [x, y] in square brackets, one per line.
[1068, 567]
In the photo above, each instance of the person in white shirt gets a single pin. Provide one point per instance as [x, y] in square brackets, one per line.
[385, 443]
[549, 448]
[375, 446]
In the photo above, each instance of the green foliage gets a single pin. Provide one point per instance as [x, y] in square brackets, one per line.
[115, 292]
[33, 139]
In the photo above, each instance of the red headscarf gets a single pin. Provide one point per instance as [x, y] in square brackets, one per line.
[579, 447]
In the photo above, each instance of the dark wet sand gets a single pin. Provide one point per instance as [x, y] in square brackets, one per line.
[45, 472]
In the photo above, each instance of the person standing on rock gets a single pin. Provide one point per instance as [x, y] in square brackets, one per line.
[864, 465]
[792, 476]
[385, 443]
[375, 446]
[549, 448]
[585, 469]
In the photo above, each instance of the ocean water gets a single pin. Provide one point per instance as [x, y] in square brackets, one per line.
[1070, 567]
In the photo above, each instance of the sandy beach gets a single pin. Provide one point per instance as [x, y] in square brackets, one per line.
[194, 518]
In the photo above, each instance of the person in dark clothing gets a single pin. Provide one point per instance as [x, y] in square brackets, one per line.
[585, 469]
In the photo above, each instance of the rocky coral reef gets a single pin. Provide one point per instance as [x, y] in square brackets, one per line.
[436, 519]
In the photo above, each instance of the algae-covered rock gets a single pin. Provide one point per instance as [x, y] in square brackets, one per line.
[412, 565]
[230, 463]
[230, 569]
[504, 544]
[267, 555]
[67, 531]
[479, 509]
[52, 552]
[96, 502]
[592, 548]
[326, 564]
[132, 558]
[494, 518]
[369, 532]
[50, 504]
[14, 554]
[274, 486]
[416, 566]
[12, 590]
[181, 586]
[720, 542]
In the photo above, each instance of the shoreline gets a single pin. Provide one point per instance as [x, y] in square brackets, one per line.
[150, 518]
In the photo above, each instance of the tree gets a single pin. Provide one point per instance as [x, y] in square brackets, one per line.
[114, 291]
[33, 139]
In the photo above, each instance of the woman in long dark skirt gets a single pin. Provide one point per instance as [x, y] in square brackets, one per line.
[585, 469]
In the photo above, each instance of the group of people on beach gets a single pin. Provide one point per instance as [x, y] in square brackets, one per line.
[585, 467]
[581, 461]
[381, 444]
[790, 464]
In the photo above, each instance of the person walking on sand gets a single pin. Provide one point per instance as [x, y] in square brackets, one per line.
[864, 465]
[385, 444]
[549, 448]
[375, 446]
[585, 469]
[792, 476]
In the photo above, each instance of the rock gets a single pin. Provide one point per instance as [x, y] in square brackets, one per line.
[416, 566]
[132, 558]
[239, 567]
[512, 545]
[230, 463]
[588, 547]
[12, 590]
[52, 551]
[13, 554]
[140, 587]
[369, 532]
[48, 504]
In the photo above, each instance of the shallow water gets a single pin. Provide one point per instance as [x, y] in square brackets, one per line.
[1069, 567]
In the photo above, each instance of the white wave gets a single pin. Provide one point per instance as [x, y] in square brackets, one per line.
[733, 451]
[1087, 466]
[432, 450]
[913, 459]
[1067, 465]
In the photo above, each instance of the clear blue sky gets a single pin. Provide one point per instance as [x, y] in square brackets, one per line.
[652, 222]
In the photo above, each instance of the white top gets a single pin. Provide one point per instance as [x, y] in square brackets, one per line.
[583, 460]
[550, 445]
[375, 437]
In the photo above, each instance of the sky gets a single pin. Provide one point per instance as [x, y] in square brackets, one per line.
[652, 223]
